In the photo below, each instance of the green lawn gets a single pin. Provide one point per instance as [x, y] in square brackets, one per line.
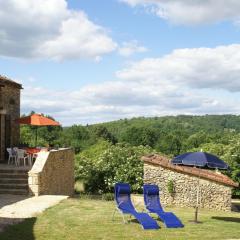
[91, 219]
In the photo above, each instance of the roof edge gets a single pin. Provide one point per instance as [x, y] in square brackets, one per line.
[9, 81]
[164, 162]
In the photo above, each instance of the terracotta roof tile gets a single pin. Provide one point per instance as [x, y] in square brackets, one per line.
[203, 173]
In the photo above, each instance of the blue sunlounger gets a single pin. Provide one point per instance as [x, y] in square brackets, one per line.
[153, 205]
[125, 206]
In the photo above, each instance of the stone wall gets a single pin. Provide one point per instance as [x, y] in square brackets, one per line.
[11, 103]
[52, 173]
[212, 194]
[9, 112]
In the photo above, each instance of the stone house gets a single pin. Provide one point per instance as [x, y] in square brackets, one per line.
[178, 184]
[9, 112]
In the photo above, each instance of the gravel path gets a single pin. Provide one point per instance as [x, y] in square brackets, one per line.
[14, 209]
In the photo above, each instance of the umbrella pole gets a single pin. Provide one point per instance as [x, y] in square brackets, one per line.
[196, 215]
[36, 136]
[196, 209]
[197, 205]
[198, 191]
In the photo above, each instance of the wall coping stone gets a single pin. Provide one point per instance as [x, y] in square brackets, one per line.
[42, 158]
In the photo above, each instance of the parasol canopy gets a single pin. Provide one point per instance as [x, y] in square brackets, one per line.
[37, 120]
[200, 159]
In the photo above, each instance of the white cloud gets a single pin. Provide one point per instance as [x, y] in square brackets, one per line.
[78, 38]
[215, 68]
[132, 101]
[186, 81]
[191, 12]
[48, 29]
[129, 48]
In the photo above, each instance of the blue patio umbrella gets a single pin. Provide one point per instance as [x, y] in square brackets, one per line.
[201, 160]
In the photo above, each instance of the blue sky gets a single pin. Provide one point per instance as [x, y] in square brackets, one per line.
[94, 61]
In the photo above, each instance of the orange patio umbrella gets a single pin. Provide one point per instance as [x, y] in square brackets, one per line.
[37, 120]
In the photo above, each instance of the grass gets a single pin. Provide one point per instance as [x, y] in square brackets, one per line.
[87, 219]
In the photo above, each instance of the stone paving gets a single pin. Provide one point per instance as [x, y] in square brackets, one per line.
[15, 208]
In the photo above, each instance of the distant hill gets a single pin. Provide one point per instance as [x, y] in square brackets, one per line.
[187, 123]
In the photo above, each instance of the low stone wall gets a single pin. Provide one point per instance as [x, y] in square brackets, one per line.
[52, 173]
[212, 194]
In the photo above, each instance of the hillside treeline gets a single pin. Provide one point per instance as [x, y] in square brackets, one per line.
[217, 134]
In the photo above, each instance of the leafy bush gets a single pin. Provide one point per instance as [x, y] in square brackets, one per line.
[103, 165]
[87, 167]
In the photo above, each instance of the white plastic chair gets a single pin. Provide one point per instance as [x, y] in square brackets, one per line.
[21, 156]
[12, 157]
[15, 150]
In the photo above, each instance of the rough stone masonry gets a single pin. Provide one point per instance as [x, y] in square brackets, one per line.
[9, 112]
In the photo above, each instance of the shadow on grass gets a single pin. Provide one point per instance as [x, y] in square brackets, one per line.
[133, 220]
[227, 219]
[17, 229]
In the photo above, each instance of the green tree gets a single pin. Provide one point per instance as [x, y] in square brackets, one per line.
[136, 136]
[77, 137]
[102, 132]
